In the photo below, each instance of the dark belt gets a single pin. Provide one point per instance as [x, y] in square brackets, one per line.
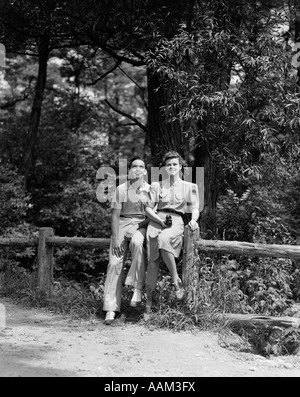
[137, 216]
[171, 211]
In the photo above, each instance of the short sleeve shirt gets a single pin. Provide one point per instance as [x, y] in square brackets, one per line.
[182, 196]
[131, 199]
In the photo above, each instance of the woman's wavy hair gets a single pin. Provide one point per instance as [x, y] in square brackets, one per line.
[172, 154]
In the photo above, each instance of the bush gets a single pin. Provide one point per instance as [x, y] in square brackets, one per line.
[247, 285]
[255, 216]
[14, 203]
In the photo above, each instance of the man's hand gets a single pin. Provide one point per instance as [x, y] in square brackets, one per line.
[116, 247]
[193, 225]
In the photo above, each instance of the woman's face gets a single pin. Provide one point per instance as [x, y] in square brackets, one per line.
[173, 166]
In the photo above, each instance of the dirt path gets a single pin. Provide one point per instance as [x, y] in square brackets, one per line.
[35, 343]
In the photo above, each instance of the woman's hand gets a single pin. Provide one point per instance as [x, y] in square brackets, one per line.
[193, 225]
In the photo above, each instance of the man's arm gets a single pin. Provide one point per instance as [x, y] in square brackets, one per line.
[144, 223]
[154, 217]
[117, 249]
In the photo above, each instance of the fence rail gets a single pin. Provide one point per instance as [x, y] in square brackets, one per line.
[193, 244]
[78, 242]
[19, 242]
[249, 249]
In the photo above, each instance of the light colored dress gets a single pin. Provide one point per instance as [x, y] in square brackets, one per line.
[182, 197]
[132, 206]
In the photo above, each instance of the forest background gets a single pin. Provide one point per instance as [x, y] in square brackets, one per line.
[89, 82]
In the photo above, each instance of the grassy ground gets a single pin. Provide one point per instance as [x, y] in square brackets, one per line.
[198, 309]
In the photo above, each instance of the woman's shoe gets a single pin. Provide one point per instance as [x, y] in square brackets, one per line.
[179, 290]
[110, 317]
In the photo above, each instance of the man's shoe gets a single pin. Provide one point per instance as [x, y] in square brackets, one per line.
[109, 319]
[136, 298]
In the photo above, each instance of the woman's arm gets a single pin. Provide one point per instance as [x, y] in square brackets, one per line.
[193, 224]
[194, 194]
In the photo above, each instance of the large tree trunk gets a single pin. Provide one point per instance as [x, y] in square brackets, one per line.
[164, 134]
[208, 215]
[297, 37]
[28, 154]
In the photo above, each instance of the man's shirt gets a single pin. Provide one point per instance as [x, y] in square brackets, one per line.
[131, 198]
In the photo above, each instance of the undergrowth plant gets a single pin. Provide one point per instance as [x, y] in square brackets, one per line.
[218, 287]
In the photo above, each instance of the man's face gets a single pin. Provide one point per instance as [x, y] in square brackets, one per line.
[137, 169]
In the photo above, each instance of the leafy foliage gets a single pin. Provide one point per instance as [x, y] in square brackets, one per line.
[227, 67]
[13, 201]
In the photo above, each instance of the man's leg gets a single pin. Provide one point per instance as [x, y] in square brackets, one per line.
[113, 284]
[137, 272]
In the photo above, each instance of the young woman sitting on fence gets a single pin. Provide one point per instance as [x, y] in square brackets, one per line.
[171, 197]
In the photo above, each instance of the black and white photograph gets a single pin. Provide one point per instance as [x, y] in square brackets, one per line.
[149, 191]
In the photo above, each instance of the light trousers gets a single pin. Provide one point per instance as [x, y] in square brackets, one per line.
[115, 270]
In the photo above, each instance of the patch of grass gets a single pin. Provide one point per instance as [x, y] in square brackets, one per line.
[78, 301]
[198, 309]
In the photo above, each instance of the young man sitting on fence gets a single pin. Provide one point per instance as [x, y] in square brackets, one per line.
[128, 226]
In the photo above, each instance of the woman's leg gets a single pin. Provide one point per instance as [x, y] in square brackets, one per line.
[169, 261]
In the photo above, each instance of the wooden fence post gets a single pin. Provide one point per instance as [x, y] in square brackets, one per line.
[45, 262]
[190, 276]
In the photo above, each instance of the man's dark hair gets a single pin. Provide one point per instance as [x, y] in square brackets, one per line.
[136, 158]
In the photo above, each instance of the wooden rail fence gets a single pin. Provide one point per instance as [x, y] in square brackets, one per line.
[46, 242]
[193, 244]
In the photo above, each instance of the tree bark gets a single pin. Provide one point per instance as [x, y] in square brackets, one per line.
[164, 134]
[45, 262]
[297, 36]
[28, 154]
[208, 215]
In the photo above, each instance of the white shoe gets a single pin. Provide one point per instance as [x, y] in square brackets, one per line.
[110, 316]
[136, 298]
[179, 290]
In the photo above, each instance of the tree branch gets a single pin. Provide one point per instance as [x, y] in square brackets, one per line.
[118, 63]
[130, 78]
[136, 122]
